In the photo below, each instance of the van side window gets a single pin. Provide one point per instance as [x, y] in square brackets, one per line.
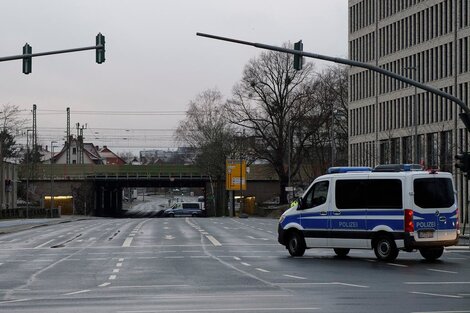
[369, 193]
[385, 194]
[351, 194]
[317, 195]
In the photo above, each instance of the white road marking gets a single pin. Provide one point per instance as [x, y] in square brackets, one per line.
[148, 286]
[96, 259]
[442, 271]
[12, 301]
[435, 294]
[262, 270]
[229, 310]
[437, 283]
[397, 265]
[199, 257]
[169, 237]
[76, 292]
[236, 258]
[246, 264]
[292, 276]
[127, 242]
[116, 270]
[350, 285]
[174, 257]
[42, 245]
[121, 260]
[214, 241]
[444, 312]
[118, 264]
[104, 284]
[112, 277]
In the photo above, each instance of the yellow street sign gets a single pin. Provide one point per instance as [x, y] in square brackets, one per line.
[235, 172]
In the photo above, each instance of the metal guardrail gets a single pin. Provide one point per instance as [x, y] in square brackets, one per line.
[92, 171]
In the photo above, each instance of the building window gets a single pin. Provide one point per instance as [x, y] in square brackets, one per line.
[74, 150]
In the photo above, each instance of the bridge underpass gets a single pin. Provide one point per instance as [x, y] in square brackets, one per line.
[100, 186]
[109, 191]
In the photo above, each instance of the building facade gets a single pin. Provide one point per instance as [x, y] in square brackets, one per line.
[391, 121]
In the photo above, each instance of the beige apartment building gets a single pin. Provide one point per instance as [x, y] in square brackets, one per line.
[390, 121]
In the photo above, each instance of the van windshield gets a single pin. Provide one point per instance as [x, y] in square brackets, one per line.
[432, 193]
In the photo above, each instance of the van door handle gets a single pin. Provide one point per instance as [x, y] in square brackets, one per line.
[323, 213]
[337, 212]
[442, 218]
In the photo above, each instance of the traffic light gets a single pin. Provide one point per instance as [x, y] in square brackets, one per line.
[463, 162]
[298, 60]
[100, 57]
[27, 62]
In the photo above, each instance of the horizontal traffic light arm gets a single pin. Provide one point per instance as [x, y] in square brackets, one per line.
[465, 116]
[40, 54]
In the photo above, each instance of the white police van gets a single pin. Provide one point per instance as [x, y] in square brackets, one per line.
[390, 208]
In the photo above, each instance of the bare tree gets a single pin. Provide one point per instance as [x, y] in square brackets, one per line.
[272, 102]
[11, 125]
[328, 145]
[207, 130]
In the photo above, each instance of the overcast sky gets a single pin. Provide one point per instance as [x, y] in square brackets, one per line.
[154, 60]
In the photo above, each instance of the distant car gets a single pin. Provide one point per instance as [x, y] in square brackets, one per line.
[185, 209]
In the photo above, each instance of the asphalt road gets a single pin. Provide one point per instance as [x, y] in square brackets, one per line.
[212, 265]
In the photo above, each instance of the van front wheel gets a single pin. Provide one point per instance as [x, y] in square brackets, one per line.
[431, 254]
[385, 248]
[296, 244]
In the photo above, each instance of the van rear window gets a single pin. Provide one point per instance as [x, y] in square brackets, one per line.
[432, 193]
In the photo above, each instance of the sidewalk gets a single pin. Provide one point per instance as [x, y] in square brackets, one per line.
[14, 225]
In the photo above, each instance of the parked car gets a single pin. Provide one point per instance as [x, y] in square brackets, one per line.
[185, 209]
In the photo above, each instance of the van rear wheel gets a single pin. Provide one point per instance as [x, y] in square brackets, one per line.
[431, 254]
[296, 244]
[385, 248]
[342, 252]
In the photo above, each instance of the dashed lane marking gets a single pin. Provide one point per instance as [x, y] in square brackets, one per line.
[246, 264]
[262, 270]
[112, 277]
[44, 244]
[127, 242]
[214, 241]
[397, 265]
[435, 294]
[104, 284]
[118, 264]
[442, 271]
[116, 270]
[76, 292]
[293, 276]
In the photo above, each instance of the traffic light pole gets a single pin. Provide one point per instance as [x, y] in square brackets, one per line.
[465, 116]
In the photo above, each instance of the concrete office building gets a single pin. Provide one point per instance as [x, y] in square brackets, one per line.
[427, 40]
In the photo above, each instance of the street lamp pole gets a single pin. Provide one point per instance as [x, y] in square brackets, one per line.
[52, 177]
[28, 172]
[415, 117]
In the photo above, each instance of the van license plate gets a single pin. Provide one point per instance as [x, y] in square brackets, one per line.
[426, 234]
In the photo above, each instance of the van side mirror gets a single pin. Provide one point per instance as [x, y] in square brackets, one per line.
[299, 202]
